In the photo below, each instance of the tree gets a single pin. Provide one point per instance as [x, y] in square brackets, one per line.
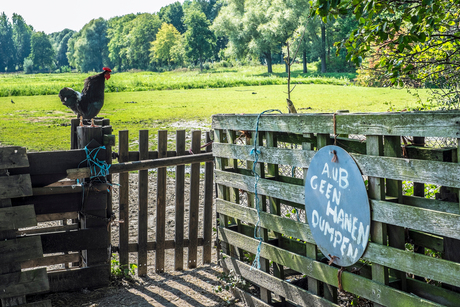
[118, 44]
[258, 27]
[173, 14]
[87, 49]
[415, 42]
[199, 39]
[166, 38]
[42, 52]
[22, 34]
[7, 48]
[60, 44]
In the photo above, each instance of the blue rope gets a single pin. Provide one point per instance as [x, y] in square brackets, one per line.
[255, 152]
[98, 169]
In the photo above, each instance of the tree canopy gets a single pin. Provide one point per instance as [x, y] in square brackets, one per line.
[162, 47]
[412, 42]
[42, 52]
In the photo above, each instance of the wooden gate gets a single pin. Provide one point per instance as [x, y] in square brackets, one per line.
[413, 257]
[142, 161]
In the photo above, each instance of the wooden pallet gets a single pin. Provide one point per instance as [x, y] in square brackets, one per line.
[14, 283]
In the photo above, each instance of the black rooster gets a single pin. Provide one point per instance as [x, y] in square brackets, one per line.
[89, 102]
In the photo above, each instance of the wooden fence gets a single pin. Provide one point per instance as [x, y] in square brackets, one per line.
[143, 160]
[412, 258]
[74, 215]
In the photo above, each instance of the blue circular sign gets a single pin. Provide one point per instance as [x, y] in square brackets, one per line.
[337, 206]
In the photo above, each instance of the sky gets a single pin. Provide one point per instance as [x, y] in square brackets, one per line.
[54, 16]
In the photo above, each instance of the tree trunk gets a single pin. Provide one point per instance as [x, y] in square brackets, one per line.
[201, 65]
[268, 57]
[304, 60]
[323, 47]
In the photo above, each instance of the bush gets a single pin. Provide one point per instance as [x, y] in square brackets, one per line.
[337, 64]
[28, 66]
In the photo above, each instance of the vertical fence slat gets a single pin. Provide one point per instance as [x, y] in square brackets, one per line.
[143, 204]
[180, 190]
[161, 204]
[311, 249]
[222, 194]
[194, 202]
[123, 150]
[374, 146]
[207, 213]
[396, 234]
[234, 194]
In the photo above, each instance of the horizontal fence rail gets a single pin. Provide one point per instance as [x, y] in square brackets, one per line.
[411, 258]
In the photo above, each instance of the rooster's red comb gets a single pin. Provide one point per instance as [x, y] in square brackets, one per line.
[107, 69]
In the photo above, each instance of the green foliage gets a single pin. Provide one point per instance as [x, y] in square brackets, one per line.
[230, 281]
[173, 14]
[166, 38]
[410, 42]
[42, 52]
[22, 34]
[87, 49]
[119, 271]
[7, 47]
[28, 66]
[199, 40]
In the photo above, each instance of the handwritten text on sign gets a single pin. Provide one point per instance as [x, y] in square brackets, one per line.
[337, 205]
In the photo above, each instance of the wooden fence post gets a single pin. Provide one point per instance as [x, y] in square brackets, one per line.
[143, 204]
[374, 146]
[161, 203]
[123, 152]
[180, 190]
[207, 211]
[194, 202]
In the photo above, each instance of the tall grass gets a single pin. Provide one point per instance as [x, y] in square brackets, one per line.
[49, 84]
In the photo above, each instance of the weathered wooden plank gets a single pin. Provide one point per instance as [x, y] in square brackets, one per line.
[440, 270]
[15, 186]
[73, 279]
[23, 283]
[273, 222]
[57, 216]
[433, 293]
[428, 124]
[248, 299]
[123, 198]
[41, 230]
[13, 157]
[17, 217]
[448, 174]
[51, 203]
[194, 203]
[440, 223]
[18, 250]
[54, 190]
[93, 238]
[356, 284]
[280, 190]
[180, 201]
[426, 240]
[207, 210]
[161, 204]
[418, 264]
[50, 260]
[432, 204]
[46, 303]
[143, 200]
[48, 167]
[278, 286]
[74, 173]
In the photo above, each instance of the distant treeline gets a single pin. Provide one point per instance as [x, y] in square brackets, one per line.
[193, 34]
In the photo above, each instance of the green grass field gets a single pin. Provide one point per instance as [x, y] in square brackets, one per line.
[39, 122]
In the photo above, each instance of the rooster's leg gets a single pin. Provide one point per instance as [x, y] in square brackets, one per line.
[92, 123]
[81, 121]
